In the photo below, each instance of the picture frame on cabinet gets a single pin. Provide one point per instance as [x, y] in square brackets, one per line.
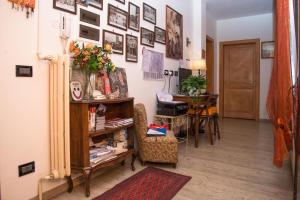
[69, 6]
[132, 48]
[134, 15]
[147, 37]
[117, 17]
[116, 40]
[149, 13]
[160, 35]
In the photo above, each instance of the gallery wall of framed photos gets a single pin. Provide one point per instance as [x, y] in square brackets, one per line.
[142, 24]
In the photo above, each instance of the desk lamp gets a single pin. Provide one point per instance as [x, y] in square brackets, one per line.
[199, 65]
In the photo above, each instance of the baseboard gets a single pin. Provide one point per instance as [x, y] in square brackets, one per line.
[78, 179]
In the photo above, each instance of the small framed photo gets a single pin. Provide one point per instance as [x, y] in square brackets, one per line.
[147, 37]
[121, 1]
[160, 35]
[267, 49]
[117, 17]
[69, 6]
[96, 4]
[133, 17]
[149, 13]
[132, 48]
[116, 40]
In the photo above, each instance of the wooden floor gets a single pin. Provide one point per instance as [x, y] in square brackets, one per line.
[239, 166]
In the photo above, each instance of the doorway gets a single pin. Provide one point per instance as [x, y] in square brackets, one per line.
[240, 79]
[210, 57]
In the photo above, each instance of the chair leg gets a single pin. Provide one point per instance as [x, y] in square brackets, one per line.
[218, 128]
[215, 126]
[210, 134]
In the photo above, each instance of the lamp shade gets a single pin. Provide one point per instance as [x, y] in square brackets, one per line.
[199, 64]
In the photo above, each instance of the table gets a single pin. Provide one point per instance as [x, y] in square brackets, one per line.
[174, 122]
[197, 106]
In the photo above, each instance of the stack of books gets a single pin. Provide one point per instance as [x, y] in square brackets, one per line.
[101, 154]
[100, 123]
[118, 122]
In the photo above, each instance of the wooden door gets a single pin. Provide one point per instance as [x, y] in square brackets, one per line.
[239, 79]
[210, 64]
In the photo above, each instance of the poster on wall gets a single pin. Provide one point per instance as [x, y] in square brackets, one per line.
[174, 34]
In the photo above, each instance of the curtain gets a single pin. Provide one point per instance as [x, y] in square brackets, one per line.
[280, 99]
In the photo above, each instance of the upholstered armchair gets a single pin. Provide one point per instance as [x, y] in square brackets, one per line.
[153, 149]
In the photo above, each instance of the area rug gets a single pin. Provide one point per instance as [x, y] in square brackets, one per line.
[148, 184]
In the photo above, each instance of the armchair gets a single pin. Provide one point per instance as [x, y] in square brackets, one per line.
[153, 149]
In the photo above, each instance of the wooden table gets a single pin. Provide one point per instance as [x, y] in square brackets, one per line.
[203, 104]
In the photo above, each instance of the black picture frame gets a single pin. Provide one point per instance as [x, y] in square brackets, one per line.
[114, 50]
[121, 1]
[267, 49]
[174, 50]
[132, 50]
[145, 6]
[89, 17]
[156, 29]
[73, 11]
[96, 4]
[112, 8]
[138, 18]
[152, 37]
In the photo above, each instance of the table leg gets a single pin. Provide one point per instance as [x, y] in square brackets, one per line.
[197, 130]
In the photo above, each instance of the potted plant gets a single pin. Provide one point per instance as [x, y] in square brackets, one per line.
[194, 85]
[91, 59]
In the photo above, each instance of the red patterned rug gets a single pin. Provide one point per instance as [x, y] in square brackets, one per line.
[148, 184]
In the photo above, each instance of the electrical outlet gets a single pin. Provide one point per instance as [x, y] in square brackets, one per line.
[26, 168]
[166, 72]
[171, 73]
[176, 73]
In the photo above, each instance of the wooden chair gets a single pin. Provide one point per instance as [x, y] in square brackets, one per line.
[203, 111]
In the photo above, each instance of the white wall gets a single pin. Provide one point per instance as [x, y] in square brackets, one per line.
[252, 27]
[24, 101]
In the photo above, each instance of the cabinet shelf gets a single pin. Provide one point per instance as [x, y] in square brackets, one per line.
[80, 135]
[108, 130]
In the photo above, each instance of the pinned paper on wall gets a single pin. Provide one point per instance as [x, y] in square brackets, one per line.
[29, 5]
[153, 65]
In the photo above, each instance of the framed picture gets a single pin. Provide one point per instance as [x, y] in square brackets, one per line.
[160, 35]
[116, 40]
[89, 33]
[147, 37]
[267, 49]
[149, 13]
[121, 1]
[96, 4]
[89, 17]
[133, 17]
[69, 6]
[117, 17]
[174, 34]
[132, 48]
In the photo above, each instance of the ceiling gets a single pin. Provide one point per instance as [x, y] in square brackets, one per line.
[224, 9]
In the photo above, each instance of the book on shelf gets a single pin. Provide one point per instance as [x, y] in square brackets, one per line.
[118, 122]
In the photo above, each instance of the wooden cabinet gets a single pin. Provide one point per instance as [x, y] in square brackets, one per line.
[80, 135]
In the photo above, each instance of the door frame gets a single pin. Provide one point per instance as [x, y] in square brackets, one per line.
[211, 40]
[221, 73]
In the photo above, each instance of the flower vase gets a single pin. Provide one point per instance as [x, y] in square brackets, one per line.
[89, 85]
